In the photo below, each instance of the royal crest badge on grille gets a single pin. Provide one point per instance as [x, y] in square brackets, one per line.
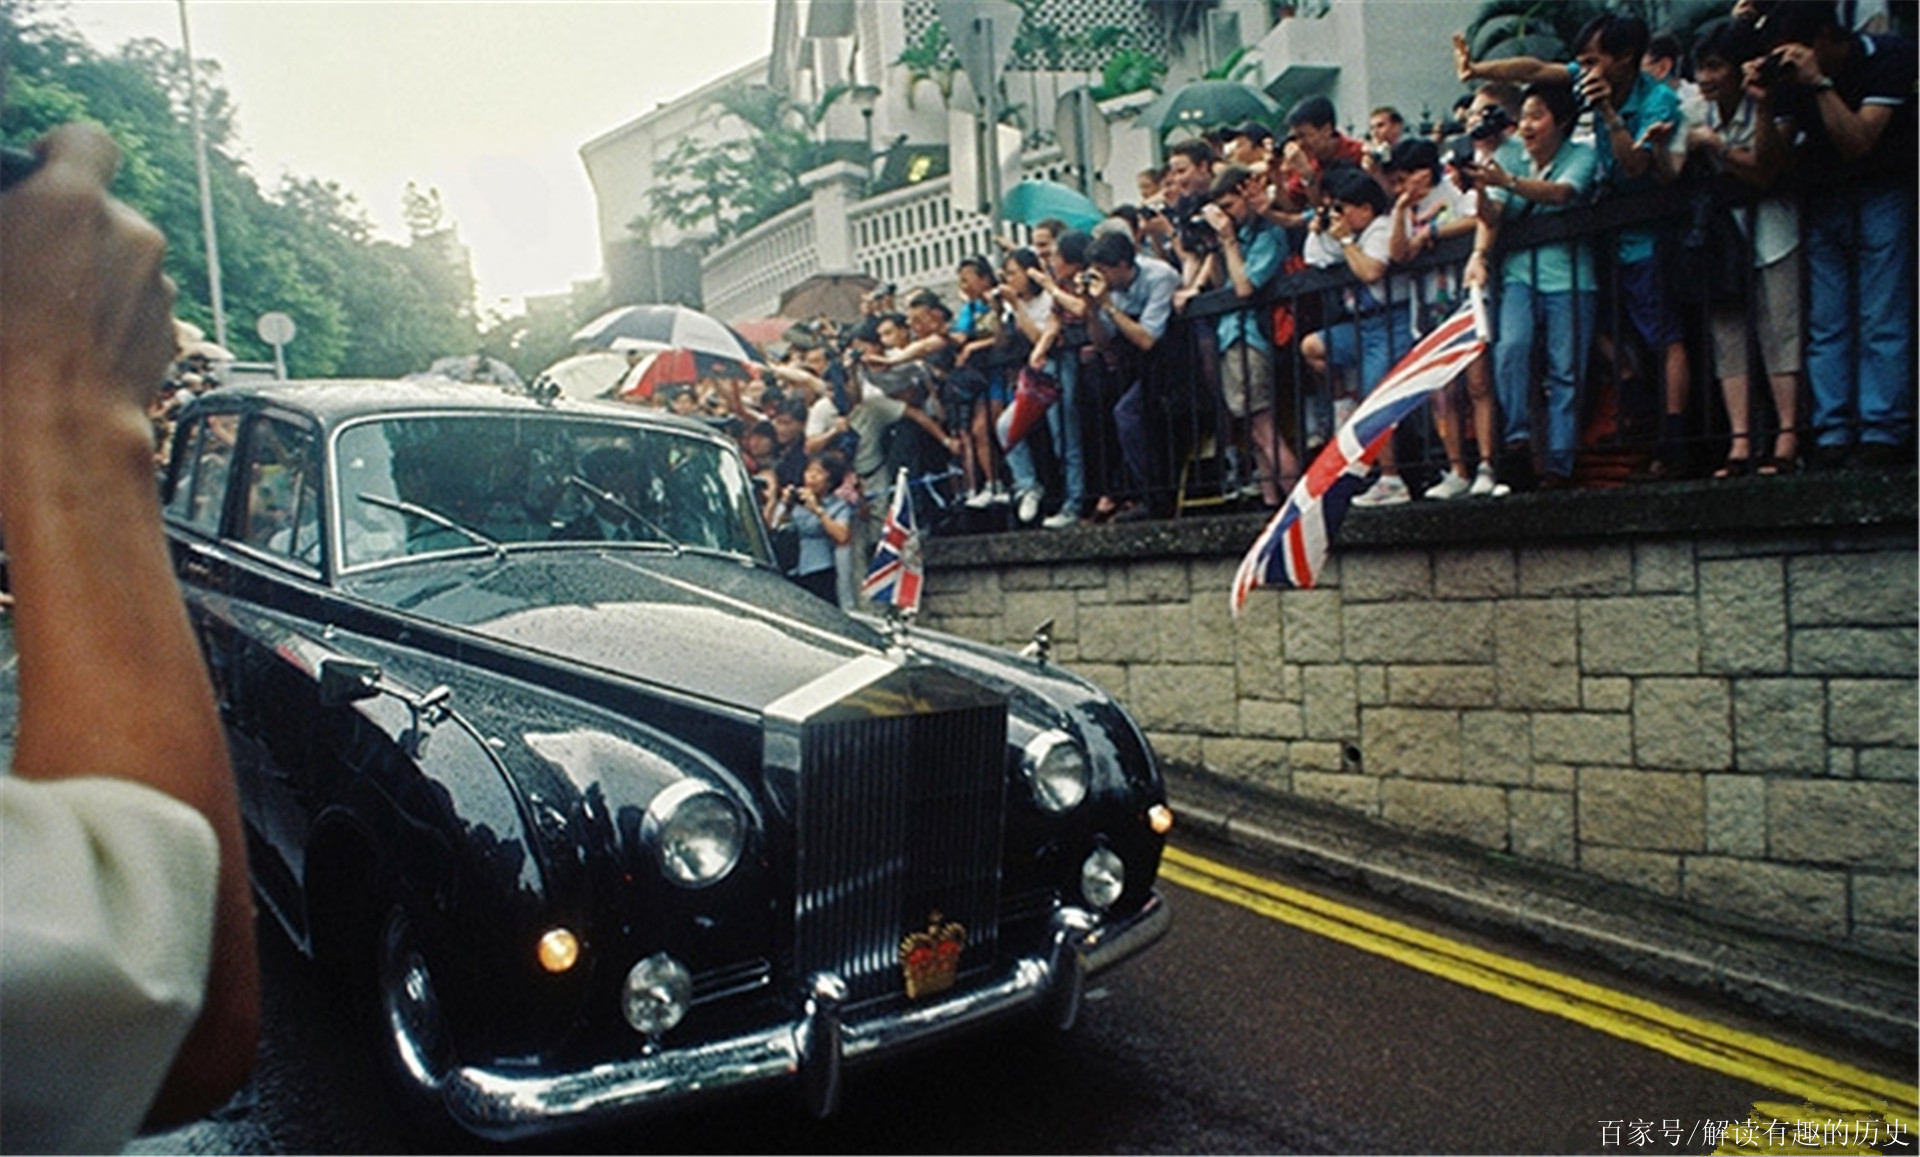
[930, 959]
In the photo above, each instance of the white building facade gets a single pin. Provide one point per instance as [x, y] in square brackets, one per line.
[914, 209]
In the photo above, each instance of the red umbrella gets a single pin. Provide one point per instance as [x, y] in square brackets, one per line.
[681, 367]
[1032, 398]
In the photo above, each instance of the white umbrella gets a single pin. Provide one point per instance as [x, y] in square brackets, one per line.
[667, 325]
[595, 374]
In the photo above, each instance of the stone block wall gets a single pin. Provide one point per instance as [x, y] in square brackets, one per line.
[1728, 720]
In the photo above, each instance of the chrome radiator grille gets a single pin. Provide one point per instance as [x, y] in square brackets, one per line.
[899, 816]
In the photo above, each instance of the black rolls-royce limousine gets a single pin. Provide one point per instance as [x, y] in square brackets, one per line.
[601, 812]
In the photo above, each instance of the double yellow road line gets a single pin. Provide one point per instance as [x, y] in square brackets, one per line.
[1821, 1080]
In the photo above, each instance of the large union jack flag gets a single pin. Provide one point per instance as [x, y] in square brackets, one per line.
[895, 576]
[1292, 549]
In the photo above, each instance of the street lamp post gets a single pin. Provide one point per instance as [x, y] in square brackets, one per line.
[206, 186]
[865, 96]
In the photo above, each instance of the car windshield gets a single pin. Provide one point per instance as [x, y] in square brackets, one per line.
[412, 485]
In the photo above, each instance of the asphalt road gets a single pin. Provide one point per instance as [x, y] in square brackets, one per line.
[1240, 1033]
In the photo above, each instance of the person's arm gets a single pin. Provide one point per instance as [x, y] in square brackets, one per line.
[1360, 263]
[1854, 132]
[1043, 346]
[802, 377]
[939, 433]
[1486, 231]
[836, 529]
[1537, 189]
[1405, 243]
[1514, 69]
[111, 682]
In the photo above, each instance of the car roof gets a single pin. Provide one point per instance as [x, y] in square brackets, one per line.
[334, 402]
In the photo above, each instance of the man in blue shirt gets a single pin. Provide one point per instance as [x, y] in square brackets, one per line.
[1635, 123]
[1132, 299]
[1252, 249]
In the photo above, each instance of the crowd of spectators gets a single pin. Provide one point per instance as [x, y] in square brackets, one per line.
[1204, 342]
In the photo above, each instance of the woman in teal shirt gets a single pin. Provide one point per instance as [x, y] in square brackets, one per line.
[1551, 286]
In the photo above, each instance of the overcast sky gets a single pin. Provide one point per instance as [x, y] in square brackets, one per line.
[487, 100]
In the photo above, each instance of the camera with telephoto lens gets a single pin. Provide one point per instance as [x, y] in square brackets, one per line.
[1196, 236]
[1492, 121]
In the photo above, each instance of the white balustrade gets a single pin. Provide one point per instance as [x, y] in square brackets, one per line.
[744, 278]
[913, 237]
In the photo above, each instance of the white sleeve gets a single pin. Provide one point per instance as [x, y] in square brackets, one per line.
[820, 417]
[106, 930]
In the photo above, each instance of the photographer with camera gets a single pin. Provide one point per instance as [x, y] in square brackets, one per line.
[1313, 145]
[1356, 232]
[1252, 249]
[1849, 100]
[128, 984]
[1131, 295]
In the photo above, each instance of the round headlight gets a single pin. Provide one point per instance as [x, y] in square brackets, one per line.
[1102, 878]
[1056, 769]
[695, 832]
[657, 993]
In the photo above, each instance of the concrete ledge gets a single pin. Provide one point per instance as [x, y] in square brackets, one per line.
[1826, 501]
[1864, 998]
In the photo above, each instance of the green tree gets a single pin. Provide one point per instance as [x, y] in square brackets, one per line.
[736, 184]
[364, 306]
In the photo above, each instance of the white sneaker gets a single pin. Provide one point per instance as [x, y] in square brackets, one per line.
[979, 500]
[1484, 482]
[997, 495]
[1029, 506]
[1387, 491]
[1451, 485]
[1061, 519]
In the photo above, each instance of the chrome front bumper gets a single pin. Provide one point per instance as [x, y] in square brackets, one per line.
[505, 1105]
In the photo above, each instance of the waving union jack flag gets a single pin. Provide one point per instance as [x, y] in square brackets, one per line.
[894, 578]
[1293, 547]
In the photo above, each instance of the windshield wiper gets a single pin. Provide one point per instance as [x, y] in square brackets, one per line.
[615, 501]
[437, 518]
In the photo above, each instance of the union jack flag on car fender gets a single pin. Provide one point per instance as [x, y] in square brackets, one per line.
[1293, 547]
[894, 578]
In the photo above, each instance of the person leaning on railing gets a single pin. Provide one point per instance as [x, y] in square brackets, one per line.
[1132, 299]
[1554, 281]
[1766, 302]
[1428, 209]
[1355, 232]
[1251, 250]
[1850, 100]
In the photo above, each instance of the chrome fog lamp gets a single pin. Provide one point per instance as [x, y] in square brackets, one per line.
[656, 995]
[695, 832]
[1056, 770]
[1103, 876]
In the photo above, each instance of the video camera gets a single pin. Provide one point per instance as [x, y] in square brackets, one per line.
[1492, 121]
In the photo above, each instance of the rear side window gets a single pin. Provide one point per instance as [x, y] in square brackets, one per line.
[281, 513]
[200, 488]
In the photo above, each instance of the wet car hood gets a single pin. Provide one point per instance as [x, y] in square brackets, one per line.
[713, 627]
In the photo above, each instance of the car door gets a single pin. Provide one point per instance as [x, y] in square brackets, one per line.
[275, 548]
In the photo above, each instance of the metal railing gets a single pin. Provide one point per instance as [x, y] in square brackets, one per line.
[1197, 459]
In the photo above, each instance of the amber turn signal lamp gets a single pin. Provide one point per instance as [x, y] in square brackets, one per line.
[559, 950]
[1160, 819]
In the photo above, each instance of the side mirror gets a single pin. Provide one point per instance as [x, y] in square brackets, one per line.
[344, 681]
